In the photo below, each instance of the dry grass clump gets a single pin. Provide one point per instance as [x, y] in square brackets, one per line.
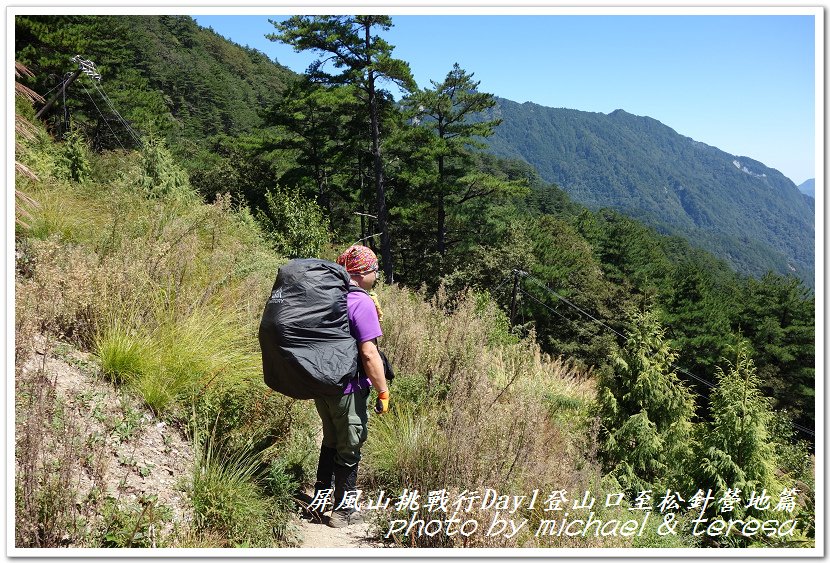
[47, 459]
[63, 290]
[168, 294]
[474, 408]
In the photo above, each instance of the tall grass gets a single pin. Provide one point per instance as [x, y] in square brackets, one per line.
[179, 358]
[227, 503]
[475, 407]
[167, 292]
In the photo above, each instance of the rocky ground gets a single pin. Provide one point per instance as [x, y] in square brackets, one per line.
[127, 453]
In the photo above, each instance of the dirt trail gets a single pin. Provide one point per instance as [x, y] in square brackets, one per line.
[317, 534]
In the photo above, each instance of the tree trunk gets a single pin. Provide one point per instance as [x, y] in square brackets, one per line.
[363, 199]
[385, 241]
[442, 213]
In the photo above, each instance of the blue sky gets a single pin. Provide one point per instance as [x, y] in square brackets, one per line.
[743, 83]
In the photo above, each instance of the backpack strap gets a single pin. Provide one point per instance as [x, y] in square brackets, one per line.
[357, 288]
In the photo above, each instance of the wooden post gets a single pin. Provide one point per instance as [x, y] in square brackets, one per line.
[51, 102]
[513, 299]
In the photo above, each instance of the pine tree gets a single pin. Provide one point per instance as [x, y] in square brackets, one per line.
[777, 316]
[312, 124]
[365, 59]
[447, 109]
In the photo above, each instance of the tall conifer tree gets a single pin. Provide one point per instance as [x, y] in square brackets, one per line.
[447, 110]
[736, 445]
[350, 45]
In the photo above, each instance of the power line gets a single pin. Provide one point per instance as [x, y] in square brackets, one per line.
[58, 85]
[88, 68]
[102, 116]
[587, 314]
[680, 369]
[504, 281]
[574, 322]
[552, 310]
[118, 115]
[805, 430]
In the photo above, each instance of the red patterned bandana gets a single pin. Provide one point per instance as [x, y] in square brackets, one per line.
[359, 260]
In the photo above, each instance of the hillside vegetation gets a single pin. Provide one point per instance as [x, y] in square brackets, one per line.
[166, 292]
[538, 344]
[733, 206]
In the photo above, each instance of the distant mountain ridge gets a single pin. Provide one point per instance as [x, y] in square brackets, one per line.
[734, 206]
[808, 188]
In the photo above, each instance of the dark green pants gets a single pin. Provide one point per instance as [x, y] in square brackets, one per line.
[344, 424]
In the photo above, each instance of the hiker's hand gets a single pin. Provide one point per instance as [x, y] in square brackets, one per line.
[382, 403]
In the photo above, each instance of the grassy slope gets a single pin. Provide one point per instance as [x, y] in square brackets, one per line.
[167, 292]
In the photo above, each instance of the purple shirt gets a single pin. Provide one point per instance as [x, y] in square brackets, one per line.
[364, 326]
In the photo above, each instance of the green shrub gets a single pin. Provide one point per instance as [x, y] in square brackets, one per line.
[161, 176]
[294, 225]
[75, 159]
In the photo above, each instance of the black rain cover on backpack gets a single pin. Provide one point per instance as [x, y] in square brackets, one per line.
[307, 350]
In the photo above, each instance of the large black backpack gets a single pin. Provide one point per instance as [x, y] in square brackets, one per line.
[307, 349]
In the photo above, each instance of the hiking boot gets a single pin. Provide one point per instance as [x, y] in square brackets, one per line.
[343, 518]
[325, 468]
[315, 514]
[345, 479]
[325, 473]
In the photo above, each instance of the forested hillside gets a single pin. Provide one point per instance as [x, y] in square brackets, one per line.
[740, 210]
[195, 166]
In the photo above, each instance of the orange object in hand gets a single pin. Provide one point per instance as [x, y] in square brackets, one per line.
[382, 403]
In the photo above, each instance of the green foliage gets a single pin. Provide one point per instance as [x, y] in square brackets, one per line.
[161, 73]
[131, 525]
[226, 500]
[345, 37]
[295, 226]
[563, 262]
[740, 449]
[161, 176]
[699, 314]
[75, 162]
[313, 121]
[777, 315]
[445, 111]
[736, 448]
[645, 412]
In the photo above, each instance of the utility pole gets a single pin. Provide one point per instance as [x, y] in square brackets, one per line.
[84, 66]
[513, 299]
[57, 95]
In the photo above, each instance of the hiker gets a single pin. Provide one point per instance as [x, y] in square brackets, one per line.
[344, 417]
